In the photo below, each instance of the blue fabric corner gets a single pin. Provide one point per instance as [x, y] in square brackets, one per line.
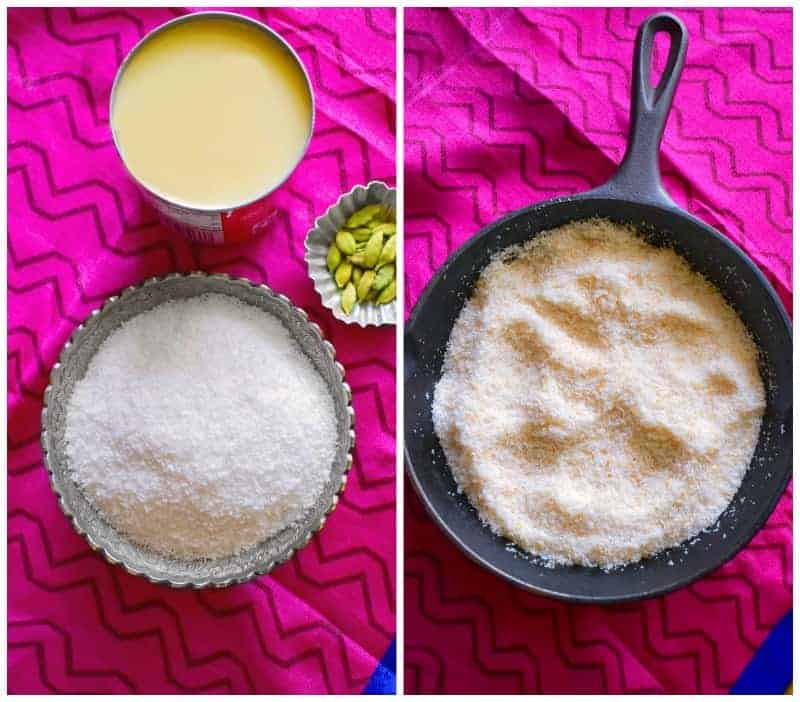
[770, 670]
[384, 679]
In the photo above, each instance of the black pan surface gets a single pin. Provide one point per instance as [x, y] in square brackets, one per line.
[633, 196]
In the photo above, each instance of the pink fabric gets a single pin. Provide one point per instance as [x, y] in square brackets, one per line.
[78, 232]
[508, 107]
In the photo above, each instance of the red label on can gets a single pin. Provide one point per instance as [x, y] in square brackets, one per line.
[243, 223]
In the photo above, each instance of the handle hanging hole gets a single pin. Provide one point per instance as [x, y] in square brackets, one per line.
[658, 60]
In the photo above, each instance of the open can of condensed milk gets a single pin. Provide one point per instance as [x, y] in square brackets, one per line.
[211, 113]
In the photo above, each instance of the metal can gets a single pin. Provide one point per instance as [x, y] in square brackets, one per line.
[244, 220]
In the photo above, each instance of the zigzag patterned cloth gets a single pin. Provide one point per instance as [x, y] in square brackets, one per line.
[78, 232]
[508, 107]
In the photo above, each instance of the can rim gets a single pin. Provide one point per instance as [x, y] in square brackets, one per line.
[199, 16]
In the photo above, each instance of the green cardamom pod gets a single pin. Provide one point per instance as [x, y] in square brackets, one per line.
[334, 257]
[373, 250]
[389, 251]
[359, 259]
[348, 298]
[387, 294]
[356, 275]
[343, 273]
[362, 233]
[367, 279]
[384, 277]
[386, 228]
[362, 216]
[345, 242]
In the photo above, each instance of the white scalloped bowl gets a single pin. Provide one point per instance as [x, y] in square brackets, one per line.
[319, 239]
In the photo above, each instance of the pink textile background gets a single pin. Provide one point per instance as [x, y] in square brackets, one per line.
[508, 107]
[78, 232]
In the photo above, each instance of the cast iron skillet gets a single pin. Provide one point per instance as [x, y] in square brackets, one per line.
[633, 195]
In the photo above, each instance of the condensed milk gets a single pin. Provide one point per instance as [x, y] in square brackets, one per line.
[211, 113]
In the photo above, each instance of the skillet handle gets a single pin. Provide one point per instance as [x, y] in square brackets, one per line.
[638, 177]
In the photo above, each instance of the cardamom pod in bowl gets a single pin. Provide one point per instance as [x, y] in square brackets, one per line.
[351, 256]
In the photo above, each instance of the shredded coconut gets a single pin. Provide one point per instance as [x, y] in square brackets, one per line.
[201, 428]
[600, 401]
